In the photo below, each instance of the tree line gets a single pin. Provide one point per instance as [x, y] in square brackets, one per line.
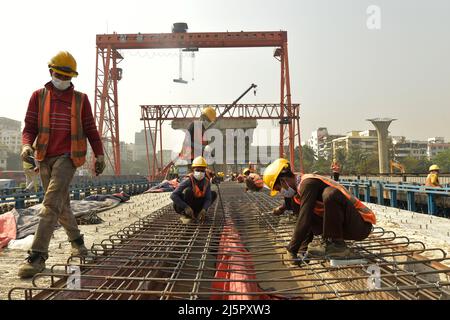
[358, 161]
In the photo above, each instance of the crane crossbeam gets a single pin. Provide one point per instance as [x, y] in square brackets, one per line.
[192, 40]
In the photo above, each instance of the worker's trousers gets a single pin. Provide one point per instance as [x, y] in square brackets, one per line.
[195, 203]
[56, 175]
[335, 176]
[340, 221]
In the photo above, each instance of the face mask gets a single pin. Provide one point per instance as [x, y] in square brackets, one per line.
[199, 175]
[60, 84]
[289, 193]
[206, 124]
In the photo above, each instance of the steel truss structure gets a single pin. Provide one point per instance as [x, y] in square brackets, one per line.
[155, 115]
[108, 74]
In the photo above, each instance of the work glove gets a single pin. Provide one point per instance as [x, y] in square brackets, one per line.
[278, 211]
[100, 164]
[202, 215]
[27, 151]
[189, 212]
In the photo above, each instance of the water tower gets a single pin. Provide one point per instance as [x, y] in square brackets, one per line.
[382, 125]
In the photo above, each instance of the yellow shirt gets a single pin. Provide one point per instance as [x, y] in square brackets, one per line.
[432, 180]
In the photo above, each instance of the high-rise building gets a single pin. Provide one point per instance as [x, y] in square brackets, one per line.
[166, 156]
[3, 159]
[140, 146]
[322, 143]
[10, 134]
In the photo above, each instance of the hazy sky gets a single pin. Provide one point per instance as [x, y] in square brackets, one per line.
[341, 72]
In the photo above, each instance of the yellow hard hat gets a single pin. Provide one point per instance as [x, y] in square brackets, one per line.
[272, 172]
[199, 162]
[210, 113]
[246, 170]
[64, 63]
[434, 167]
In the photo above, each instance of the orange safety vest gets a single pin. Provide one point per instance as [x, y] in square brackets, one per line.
[78, 144]
[188, 148]
[367, 214]
[335, 167]
[197, 192]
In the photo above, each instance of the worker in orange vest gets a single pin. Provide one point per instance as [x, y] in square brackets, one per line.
[325, 208]
[193, 196]
[336, 169]
[253, 181]
[194, 143]
[60, 119]
[433, 177]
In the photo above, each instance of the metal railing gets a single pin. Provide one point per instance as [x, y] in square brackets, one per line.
[412, 178]
[395, 189]
[80, 188]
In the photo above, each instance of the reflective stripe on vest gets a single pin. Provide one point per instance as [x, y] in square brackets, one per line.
[365, 212]
[188, 148]
[78, 143]
[197, 192]
[319, 208]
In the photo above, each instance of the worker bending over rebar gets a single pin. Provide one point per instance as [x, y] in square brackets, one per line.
[324, 208]
[253, 181]
[193, 196]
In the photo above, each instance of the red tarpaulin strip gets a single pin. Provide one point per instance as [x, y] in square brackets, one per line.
[234, 266]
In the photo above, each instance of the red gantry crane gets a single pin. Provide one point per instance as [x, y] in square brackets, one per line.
[108, 74]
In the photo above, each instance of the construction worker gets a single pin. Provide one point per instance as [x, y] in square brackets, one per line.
[61, 120]
[193, 196]
[325, 208]
[336, 169]
[253, 181]
[194, 144]
[433, 177]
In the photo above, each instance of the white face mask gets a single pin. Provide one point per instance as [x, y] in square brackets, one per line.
[289, 193]
[199, 175]
[60, 84]
[206, 124]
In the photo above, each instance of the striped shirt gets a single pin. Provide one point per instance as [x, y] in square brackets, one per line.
[60, 106]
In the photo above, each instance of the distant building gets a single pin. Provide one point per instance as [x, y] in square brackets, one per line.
[436, 145]
[403, 148]
[11, 134]
[166, 156]
[140, 146]
[3, 159]
[316, 141]
[366, 141]
[322, 143]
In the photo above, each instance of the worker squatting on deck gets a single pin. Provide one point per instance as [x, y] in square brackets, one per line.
[193, 196]
[59, 119]
[324, 208]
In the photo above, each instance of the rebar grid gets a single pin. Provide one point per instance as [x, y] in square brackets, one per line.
[158, 257]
